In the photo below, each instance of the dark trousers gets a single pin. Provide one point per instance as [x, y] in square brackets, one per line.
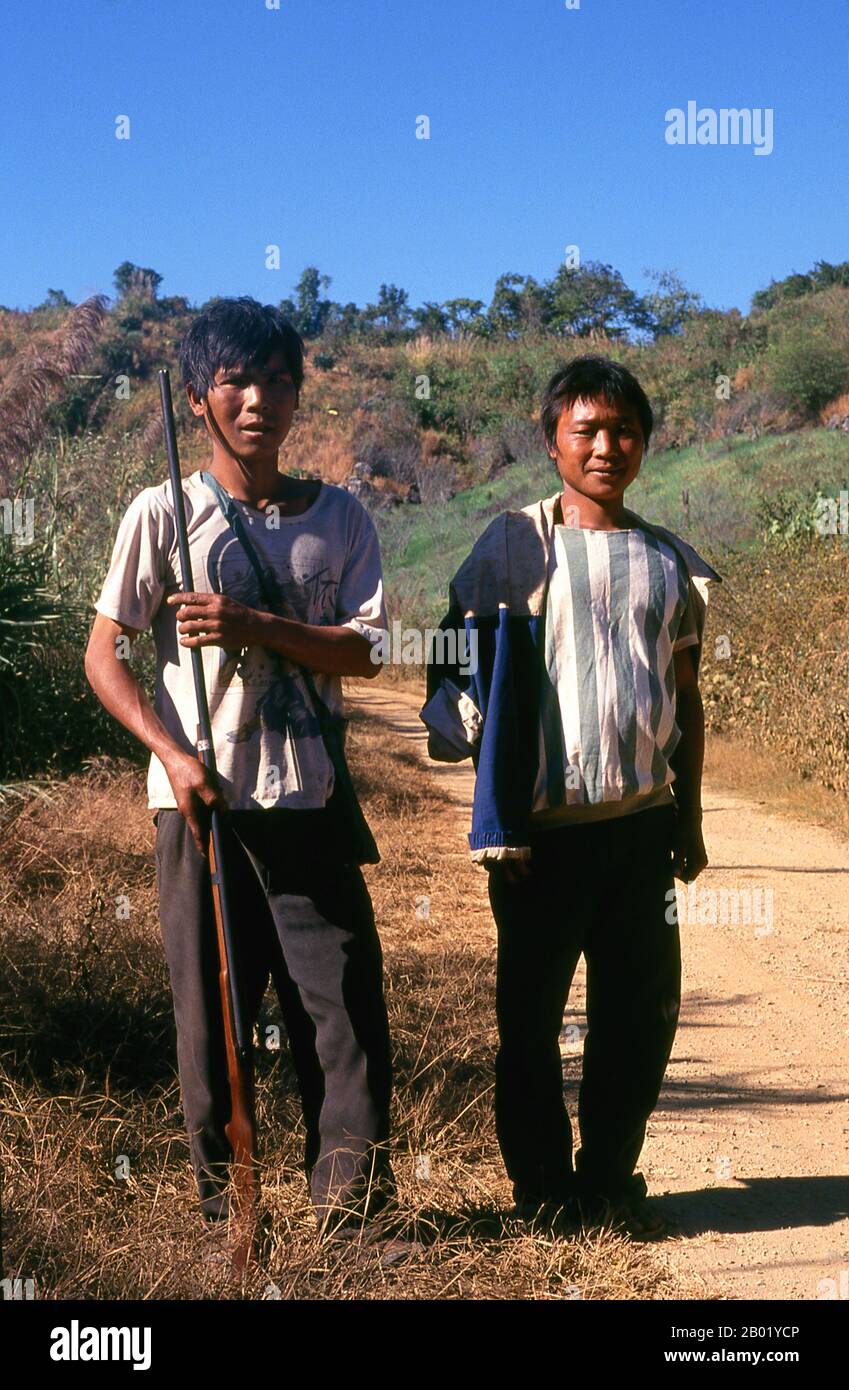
[306, 919]
[599, 889]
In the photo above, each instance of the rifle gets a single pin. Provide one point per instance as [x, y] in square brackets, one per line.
[238, 1033]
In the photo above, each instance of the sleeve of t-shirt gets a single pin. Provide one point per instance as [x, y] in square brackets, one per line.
[688, 631]
[135, 582]
[359, 599]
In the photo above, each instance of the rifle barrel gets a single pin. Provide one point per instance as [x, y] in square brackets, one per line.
[206, 750]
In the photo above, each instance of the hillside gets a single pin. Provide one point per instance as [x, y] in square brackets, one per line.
[440, 431]
[448, 403]
[727, 498]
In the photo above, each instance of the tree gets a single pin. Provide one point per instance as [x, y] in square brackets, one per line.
[796, 286]
[593, 298]
[174, 306]
[670, 304]
[791, 287]
[431, 318]
[826, 275]
[392, 310]
[519, 305]
[503, 313]
[345, 321]
[310, 312]
[463, 314]
[141, 282]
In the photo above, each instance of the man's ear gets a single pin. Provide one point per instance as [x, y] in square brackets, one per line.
[197, 407]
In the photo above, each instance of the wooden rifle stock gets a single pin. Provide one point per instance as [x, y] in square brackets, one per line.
[240, 1129]
[238, 1033]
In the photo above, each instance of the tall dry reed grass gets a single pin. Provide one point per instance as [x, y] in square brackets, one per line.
[39, 375]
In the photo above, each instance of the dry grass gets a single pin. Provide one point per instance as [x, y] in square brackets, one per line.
[839, 406]
[88, 1066]
[424, 348]
[777, 661]
[39, 375]
[740, 768]
[319, 445]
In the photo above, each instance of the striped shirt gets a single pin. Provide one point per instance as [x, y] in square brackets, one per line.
[618, 607]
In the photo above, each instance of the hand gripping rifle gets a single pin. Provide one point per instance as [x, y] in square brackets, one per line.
[238, 1033]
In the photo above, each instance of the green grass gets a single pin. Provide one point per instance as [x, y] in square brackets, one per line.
[422, 547]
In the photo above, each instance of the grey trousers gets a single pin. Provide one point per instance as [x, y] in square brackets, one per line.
[306, 919]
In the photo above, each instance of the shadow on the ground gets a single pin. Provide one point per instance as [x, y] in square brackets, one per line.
[760, 1204]
[483, 1223]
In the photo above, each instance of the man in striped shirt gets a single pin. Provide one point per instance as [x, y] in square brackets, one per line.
[616, 813]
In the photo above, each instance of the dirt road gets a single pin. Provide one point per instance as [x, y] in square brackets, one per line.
[750, 1139]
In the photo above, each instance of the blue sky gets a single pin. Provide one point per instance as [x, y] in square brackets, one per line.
[251, 126]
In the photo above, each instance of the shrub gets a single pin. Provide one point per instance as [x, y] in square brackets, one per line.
[389, 443]
[515, 441]
[806, 367]
[49, 718]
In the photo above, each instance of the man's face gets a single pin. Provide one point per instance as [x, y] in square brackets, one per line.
[253, 407]
[599, 448]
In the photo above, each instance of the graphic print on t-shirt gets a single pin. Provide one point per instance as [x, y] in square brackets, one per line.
[283, 707]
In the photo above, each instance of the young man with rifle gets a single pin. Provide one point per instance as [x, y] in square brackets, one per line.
[286, 598]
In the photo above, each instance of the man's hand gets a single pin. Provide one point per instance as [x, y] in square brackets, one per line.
[197, 794]
[214, 620]
[689, 853]
[514, 870]
[195, 791]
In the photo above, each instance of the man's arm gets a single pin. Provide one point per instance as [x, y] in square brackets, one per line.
[687, 760]
[214, 620]
[118, 690]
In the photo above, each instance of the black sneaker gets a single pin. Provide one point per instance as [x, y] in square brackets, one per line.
[625, 1211]
[552, 1215]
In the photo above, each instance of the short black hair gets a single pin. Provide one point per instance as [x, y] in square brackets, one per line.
[586, 378]
[232, 333]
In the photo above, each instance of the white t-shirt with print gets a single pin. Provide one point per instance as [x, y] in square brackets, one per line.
[326, 561]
